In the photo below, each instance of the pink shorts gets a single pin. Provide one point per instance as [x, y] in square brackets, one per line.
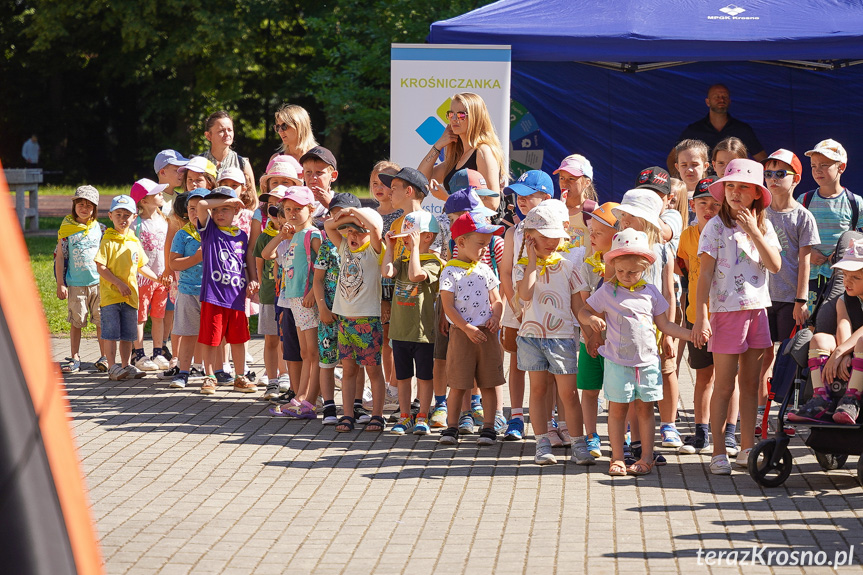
[736, 331]
[152, 299]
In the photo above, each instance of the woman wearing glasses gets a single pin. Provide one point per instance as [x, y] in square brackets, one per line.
[294, 127]
[469, 141]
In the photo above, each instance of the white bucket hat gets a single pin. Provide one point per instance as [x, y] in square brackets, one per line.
[630, 242]
[641, 203]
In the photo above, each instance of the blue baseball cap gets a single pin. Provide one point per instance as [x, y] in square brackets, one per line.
[222, 192]
[531, 182]
[198, 193]
[123, 203]
[466, 200]
[168, 158]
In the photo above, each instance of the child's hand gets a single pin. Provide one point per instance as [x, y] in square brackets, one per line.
[596, 324]
[817, 258]
[475, 334]
[252, 288]
[327, 316]
[669, 350]
[747, 220]
[800, 311]
[443, 325]
[493, 324]
[701, 332]
[530, 248]
[62, 292]
[413, 240]
[386, 311]
[287, 231]
[309, 299]
[837, 367]
[124, 290]
[593, 344]
[166, 279]
[390, 241]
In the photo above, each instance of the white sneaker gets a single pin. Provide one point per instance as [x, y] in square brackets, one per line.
[161, 362]
[227, 367]
[719, 465]
[543, 455]
[367, 397]
[284, 383]
[391, 400]
[743, 458]
[114, 372]
[145, 364]
[249, 359]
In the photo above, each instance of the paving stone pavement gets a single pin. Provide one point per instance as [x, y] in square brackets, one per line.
[183, 483]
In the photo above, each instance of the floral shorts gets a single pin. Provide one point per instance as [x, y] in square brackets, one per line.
[361, 339]
[304, 317]
[328, 344]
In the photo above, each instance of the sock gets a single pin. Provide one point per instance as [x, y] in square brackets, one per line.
[422, 416]
[661, 425]
[392, 389]
[498, 413]
[404, 415]
[701, 430]
[475, 401]
[137, 353]
[440, 400]
[730, 430]
[517, 413]
[562, 426]
[552, 424]
[540, 436]
[817, 359]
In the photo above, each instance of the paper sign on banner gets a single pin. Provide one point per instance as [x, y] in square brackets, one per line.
[423, 80]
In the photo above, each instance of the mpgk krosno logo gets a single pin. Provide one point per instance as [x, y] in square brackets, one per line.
[733, 12]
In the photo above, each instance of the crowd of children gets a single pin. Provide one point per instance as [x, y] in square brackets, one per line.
[586, 298]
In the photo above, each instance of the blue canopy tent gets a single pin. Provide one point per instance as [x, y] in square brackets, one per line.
[619, 80]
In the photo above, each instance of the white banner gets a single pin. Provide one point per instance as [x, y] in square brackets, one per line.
[424, 78]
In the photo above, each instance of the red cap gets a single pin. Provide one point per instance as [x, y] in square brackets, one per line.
[787, 157]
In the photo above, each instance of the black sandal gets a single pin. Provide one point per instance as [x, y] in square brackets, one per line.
[376, 424]
[345, 421]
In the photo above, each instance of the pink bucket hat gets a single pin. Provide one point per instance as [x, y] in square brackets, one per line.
[852, 259]
[745, 171]
[283, 167]
[630, 242]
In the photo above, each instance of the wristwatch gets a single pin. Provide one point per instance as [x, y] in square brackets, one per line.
[800, 300]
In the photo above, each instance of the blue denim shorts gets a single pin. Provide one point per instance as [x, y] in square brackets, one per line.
[557, 356]
[623, 384]
[119, 322]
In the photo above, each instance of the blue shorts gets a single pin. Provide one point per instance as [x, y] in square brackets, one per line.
[169, 305]
[119, 322]
[557, 356]
[623, 384]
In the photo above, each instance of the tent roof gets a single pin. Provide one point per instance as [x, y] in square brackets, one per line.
[811, 33]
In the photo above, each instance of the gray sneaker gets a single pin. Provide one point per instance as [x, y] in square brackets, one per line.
[580, 452]
[544, 456]
[179, 381]
[284, 383]
[272, 391]
[131, 372]
[114, 372]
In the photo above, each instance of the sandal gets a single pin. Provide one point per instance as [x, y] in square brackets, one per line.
[71, 365]
[659, 459]
[617, 468]
[376, 424]
[102, 364]
[345, 424]
[640, 468]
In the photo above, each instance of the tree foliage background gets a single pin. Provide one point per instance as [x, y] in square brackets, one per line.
[106, 84]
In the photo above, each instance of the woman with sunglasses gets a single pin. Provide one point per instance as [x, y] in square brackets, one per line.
[469, 141]
[219, 131]
[294, 127]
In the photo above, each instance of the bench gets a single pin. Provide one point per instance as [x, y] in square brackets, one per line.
[21, 182]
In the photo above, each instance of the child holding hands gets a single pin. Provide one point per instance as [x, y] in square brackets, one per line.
[631, 310]
[738, 248]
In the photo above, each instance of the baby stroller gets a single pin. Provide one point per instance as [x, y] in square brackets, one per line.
[770, 461]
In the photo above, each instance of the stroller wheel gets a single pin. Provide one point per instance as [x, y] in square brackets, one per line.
[829, 461]
[763, 471]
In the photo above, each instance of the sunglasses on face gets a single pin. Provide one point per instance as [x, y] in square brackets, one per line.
[278, 128]
[462, 116]
[777, 174]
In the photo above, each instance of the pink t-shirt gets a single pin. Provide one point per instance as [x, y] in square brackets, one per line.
[631, 334]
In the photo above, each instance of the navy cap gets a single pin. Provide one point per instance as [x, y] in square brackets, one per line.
[656, 179]
[320, 153]
[412, 176]
[702, 188]
[531, 182]
[345, 200]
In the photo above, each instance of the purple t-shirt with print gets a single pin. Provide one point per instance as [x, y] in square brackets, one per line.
[223, 282]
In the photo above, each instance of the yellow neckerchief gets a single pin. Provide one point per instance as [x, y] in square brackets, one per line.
[233, 230]
[543, 263]
[469, 266]
[566, 246]
[423, 257]
[71, 226]
[270, 230]
[632, 288]
[361, 248]
[192, 231]
[595, 261]
[114, 235]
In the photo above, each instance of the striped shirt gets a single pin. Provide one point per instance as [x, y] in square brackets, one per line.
[833, 218]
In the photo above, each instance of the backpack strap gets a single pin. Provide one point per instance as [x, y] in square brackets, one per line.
[855, 311]
[307, 243]
[807, 198]
[855, 208]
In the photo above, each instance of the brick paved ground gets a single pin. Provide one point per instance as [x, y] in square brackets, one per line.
[183, 483]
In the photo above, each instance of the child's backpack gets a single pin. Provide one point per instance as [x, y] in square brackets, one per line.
[852, 201]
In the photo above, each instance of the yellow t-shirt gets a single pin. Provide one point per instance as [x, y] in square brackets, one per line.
[687, 250]
[578, 232]
[124, 256]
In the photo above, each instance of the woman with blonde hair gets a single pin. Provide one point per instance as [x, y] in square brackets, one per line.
[469, 141]
[294, 127]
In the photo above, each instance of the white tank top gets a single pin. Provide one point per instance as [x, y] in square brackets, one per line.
[509, 319]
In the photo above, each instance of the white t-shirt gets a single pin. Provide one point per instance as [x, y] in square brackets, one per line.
[470, 291]
[631, 334]
[359, 291]
[509, 316]
[152, 234]
[739, 277]
[549, 314]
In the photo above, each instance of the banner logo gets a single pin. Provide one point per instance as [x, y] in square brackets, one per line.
[732, 10]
